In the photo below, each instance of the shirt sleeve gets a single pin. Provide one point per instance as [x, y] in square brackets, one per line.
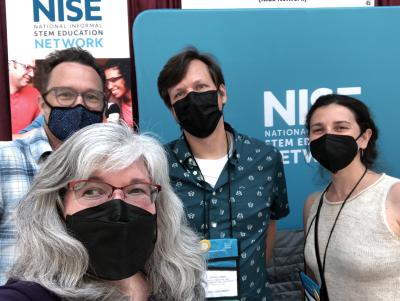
[280, 205]
[12, 189]
[1, 202]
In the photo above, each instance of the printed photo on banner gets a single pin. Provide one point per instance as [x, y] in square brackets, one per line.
[42, 26]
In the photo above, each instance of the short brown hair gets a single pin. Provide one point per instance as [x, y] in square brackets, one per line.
[176, 68]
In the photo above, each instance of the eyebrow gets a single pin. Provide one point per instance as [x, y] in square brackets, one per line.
[132, 181]
[316, 124]
[71, 88]
[196, 82]
[335, 123]
[174, 91]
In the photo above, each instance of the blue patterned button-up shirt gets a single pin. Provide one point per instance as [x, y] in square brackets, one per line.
[257, 193]
[18, 165]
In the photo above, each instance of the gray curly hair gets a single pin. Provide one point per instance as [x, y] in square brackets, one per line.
[56, 260]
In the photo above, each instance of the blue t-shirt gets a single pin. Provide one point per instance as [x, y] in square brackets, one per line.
[257, 193]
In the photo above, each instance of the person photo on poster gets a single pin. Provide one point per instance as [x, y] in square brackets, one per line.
[24, 98]
[118, 85]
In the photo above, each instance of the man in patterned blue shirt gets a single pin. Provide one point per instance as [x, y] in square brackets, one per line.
[233, 186]
[72, 97]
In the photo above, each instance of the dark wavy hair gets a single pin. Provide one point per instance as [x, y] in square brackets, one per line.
[176, 68]
[123, 65]
[363, 119]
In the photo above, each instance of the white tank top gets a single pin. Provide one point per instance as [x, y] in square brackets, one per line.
[363, 256]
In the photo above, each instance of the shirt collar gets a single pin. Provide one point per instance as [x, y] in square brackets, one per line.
[39, 144]
[184, 155]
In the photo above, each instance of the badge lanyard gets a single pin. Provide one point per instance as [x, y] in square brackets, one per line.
[222, 281]
[321, 267]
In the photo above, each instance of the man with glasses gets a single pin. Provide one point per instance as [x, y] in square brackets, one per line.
[24, 99]
[71, 97]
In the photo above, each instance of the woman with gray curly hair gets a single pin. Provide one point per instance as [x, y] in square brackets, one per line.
[101, 222]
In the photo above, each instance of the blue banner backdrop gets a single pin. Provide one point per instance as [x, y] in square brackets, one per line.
[276, 63]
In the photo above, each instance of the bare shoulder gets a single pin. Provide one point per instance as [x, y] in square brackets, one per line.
[395, 190]
[393, 197]
[310, 201]
[393, 208]
[307, 205]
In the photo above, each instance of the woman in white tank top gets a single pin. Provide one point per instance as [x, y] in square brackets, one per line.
[355, 221]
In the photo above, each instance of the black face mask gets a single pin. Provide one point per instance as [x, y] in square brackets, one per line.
[198, 113]
[334, 152]
[119, 238]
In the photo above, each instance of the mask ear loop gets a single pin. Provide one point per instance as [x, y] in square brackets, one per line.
[362, 153]
[362, 133]
[361, 149]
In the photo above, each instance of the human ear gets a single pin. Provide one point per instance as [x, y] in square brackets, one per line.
[222, 93]
[364, 138]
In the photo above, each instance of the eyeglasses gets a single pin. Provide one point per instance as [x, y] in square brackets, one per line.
[91, 193]
[66, 97]
[113, 79]
[27, 67]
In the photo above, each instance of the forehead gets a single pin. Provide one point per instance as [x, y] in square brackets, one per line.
[137, 170]
[75, 75]
[112, 72]
[25, 60]
[196, 71]
[332, 113]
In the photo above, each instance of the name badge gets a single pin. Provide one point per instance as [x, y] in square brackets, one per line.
[221, 279]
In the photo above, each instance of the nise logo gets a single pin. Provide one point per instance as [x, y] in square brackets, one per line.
[74, 10]
[297, 107]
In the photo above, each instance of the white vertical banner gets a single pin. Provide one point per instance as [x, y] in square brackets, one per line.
[221, 4]
[41, 26]
[36, 28]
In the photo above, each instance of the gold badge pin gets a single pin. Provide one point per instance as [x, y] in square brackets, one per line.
[205, 245]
